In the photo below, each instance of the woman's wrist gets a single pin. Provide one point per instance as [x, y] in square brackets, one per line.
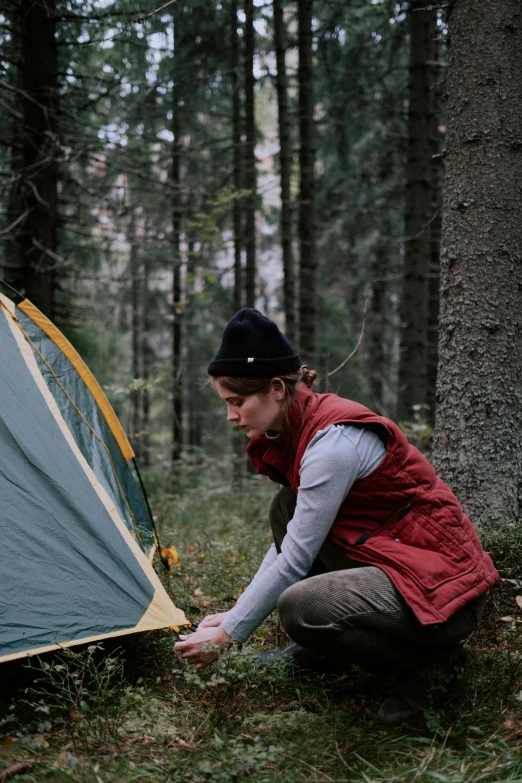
[224, 638]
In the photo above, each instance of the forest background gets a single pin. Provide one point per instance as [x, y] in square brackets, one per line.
[353, 170]
[164, 165]
[163, 168]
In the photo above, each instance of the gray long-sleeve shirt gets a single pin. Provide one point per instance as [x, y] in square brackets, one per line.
[335, 458]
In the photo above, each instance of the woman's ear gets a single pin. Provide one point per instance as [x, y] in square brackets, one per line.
[279, 389]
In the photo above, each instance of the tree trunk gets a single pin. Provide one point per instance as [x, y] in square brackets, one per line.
[250, 157]
[136, 324]
[308, 260]
[193, 394]
[377, 364]
[236, 141]
[437, 181]
[31, 248]
[413, 365]
[177, 385]
[146, 353]
[285, 164]
[478, 437]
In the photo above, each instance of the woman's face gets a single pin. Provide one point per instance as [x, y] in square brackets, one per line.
[255, 413]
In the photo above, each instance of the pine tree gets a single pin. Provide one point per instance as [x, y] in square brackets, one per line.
[177, 369]
[237, 164]
[285, 166]
[307, 252]
[32, 210]
[418, 248]
[250, 156]
[478, 446]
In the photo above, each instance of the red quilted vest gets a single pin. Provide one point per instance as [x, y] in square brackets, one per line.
[401, 518]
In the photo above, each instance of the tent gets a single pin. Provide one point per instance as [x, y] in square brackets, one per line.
[77, 536]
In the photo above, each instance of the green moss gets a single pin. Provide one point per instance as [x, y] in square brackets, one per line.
[240, 722]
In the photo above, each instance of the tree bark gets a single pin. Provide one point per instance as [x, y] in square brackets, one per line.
[236, 141]
[146, 353]
[285, 164]
[136, 330]
[308, 260]
[250, 157]
[194, 405]
[413, 365]
[478, 436]
[177, 209]
[437, 184]
[31, 249]
[377, 363]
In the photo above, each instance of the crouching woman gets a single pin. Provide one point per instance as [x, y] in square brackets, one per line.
[374, 561]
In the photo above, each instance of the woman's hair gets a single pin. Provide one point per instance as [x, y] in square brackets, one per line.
[247, 386]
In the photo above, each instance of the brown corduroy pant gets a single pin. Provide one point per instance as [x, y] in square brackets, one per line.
[354, 613]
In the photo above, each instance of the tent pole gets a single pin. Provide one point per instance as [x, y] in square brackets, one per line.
[150, 511]
[12, 289]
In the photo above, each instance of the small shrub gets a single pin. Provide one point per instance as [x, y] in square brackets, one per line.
[85, 692]
[237, 759]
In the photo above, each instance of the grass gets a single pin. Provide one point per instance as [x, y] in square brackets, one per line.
[129, 710]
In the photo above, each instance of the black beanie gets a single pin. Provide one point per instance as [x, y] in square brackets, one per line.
[253, 347]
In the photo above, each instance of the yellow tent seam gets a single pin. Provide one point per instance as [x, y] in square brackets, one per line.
[83, 371]
[148, 622]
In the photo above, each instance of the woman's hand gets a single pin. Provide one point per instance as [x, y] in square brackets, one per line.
[213, 620]
[191, 647]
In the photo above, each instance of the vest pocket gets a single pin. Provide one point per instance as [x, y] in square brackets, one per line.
[422, 550]
[389, 526]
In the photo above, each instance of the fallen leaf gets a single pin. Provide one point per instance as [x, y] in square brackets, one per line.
[170, 557]
[141, 739]
[183, 743]
[38, 742]
[198, 591]
[518, 599]
[66, 760]
[191, 548]
[18, 768]
[7, 741]
[507, 619]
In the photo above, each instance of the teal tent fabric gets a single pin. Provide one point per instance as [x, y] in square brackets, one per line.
[67, 572]
[112, 471]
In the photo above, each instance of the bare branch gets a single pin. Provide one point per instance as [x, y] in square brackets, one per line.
[133, 21]
[18, 220]
[361, 334]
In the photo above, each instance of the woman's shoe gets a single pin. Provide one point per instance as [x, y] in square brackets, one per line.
[401, 707]
[304, 659]
[415, 691]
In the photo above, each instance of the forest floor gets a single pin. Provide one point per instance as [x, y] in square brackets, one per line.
[129, 709]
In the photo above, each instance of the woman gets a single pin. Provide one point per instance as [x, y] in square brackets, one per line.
[373, 561]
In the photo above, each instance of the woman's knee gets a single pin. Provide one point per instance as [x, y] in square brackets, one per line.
[288, 607]
[299, 610]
